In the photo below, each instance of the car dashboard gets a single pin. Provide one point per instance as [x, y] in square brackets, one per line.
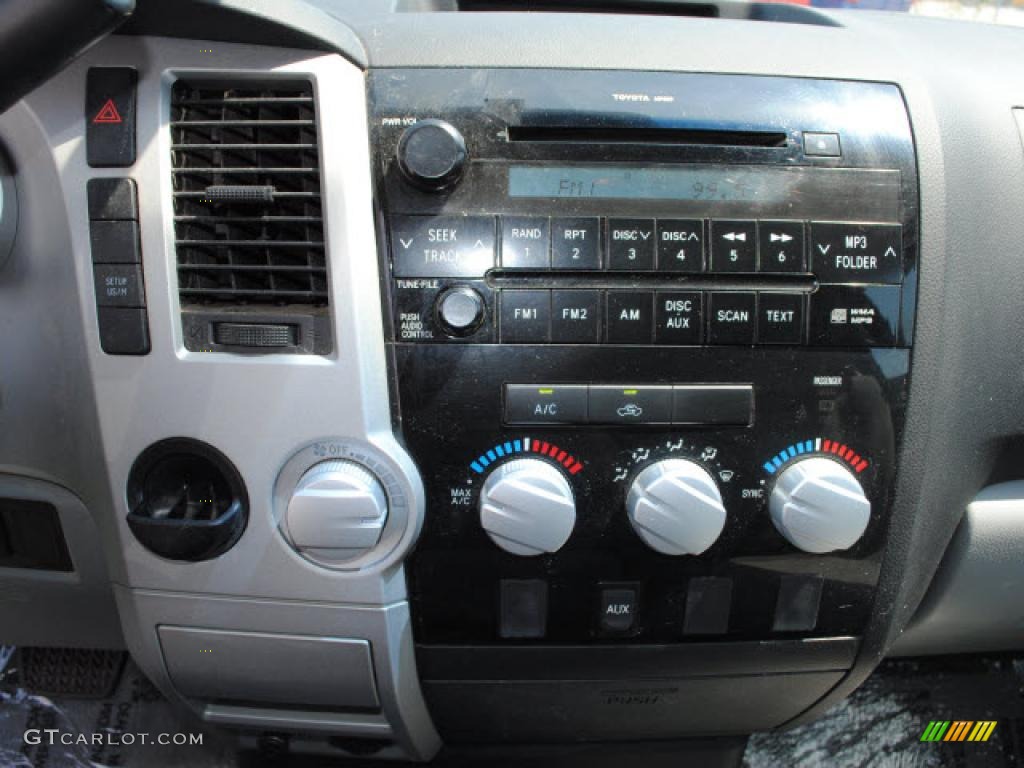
[407, 377]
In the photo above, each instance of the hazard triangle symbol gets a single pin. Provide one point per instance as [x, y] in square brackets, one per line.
[108, 114]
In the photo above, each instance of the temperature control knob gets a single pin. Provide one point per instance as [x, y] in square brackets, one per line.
[675, 507]
[527, 507]
[432, 154]
[337, 512]
[819, 506]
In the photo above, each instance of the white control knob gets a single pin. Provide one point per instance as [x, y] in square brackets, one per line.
[337, 512]
[819, 506]
[675, 507]
[527, 507]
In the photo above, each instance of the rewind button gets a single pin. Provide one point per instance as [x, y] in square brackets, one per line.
[733, 246]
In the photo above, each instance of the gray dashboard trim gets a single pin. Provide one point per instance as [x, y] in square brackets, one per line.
[974, 603]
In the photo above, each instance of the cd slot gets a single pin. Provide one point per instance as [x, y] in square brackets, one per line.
[539, 279]
[625, 134]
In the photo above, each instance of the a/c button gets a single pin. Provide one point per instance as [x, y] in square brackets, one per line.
[545, 404]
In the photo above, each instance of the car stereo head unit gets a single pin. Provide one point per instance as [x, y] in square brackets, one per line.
[651, 339]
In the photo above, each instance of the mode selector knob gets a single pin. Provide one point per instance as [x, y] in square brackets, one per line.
[337, 512]
[432, 154]
[527, 507]
[819, 506]
[675, 507]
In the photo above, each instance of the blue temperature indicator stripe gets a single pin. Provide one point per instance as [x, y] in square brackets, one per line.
[791, 451]
[499, 450]
[508, 448]
[519, 445]
[769, 468]
[800, 448]
[809, 446]
[476, 467]
[777, 461]
[491, 456]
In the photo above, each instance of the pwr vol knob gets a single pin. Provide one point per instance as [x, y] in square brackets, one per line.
[527, 507]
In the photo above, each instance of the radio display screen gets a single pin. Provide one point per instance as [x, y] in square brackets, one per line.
[760, 184]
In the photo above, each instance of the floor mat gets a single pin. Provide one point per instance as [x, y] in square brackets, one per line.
[97, 732]
[880, 725]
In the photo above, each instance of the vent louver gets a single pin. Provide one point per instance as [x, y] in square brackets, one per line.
[248, 220]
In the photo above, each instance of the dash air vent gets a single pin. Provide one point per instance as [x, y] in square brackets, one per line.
[248, 217]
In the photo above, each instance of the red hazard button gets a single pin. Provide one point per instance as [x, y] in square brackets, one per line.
[110, 116]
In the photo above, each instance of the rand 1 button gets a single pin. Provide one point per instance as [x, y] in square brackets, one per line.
[545, 403]
[525, 242]
[681, 245]
[525, 316]
[575, 243]
[781, 246]
[442, 246]
[733, 246]
[630, 317]
[856, 253]
[626, 404]
[780, 318]
[855, 316]
[575, 317]
[631, 244]
[732, 318]
[714, 404]
[678, 317]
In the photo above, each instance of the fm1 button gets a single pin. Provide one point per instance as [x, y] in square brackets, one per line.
[525, 317]
[617, 611]
[678, 318]
[460, 311]
[545, 403]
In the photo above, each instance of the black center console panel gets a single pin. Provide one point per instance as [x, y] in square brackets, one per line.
[612, 275]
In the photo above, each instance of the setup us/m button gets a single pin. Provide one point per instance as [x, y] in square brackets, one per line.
[545, 404]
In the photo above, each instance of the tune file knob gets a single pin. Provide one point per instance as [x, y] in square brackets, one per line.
[338, 511]
[819, 506]
[675, 507]
[527, 507]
